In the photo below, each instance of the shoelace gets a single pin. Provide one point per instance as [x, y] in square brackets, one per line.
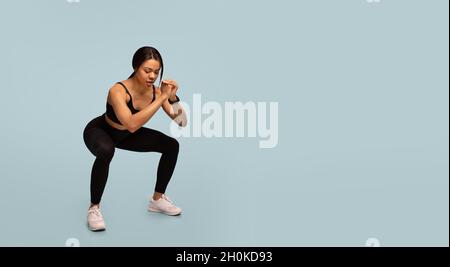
[96, 212]
[167, 198]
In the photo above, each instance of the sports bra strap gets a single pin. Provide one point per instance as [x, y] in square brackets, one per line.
[130, 94]
[125, 88]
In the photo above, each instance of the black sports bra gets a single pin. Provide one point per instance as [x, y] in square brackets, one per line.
[110, 111]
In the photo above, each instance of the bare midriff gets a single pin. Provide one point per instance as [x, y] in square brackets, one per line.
[113, 124]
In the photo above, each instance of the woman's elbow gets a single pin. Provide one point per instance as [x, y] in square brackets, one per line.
[132, 130]
[131, 126]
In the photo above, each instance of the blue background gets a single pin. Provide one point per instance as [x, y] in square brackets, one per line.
[363, 122]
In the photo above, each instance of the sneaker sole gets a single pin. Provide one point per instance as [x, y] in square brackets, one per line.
[167, 213]
[96, 229]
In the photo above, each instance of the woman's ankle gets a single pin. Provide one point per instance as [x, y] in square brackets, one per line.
[94, 205]
[157, 195]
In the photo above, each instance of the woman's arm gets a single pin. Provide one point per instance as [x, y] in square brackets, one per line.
[134, 121]
[176, 113]
[171, 106]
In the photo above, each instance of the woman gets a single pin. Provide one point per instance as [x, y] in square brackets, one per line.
[130, 104]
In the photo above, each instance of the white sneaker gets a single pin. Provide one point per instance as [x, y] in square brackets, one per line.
[95, 219]
[164, 205]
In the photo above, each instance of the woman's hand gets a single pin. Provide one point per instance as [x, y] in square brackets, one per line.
[174, 87]
[166, 89]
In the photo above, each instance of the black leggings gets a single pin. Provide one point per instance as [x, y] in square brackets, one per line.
[102, 139]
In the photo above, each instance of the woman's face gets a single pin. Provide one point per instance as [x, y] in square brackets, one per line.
[148, 72]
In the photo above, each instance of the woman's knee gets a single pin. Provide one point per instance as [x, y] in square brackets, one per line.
[173, 145]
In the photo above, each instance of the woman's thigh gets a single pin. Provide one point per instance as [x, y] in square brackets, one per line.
[147, 140]
[98, 140]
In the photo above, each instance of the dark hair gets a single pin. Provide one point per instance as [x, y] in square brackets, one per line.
[143, 54]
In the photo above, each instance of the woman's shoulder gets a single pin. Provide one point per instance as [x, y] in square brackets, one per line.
[118, 89]
[120, 86]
